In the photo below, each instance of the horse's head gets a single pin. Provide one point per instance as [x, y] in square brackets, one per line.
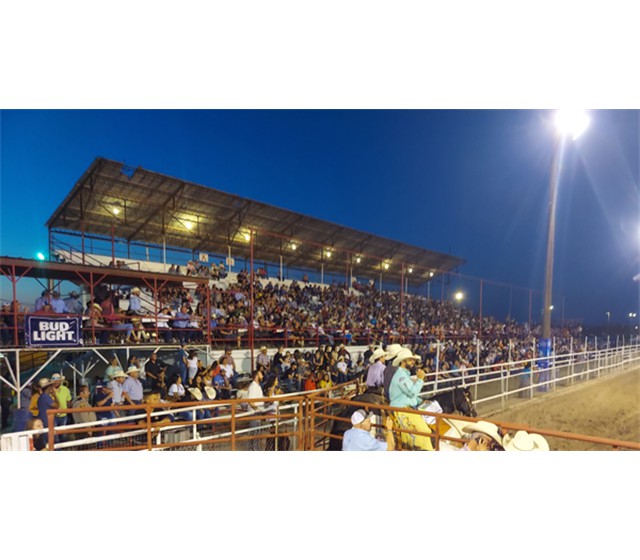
[463, 402]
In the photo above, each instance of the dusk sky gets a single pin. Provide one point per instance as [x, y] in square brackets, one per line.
[473, 183]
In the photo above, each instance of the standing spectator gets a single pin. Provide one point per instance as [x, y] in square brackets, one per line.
[22, 415]
[359, 437]
[192, 364]
[181, 363]
[115, 385]
[156, 374]
[132, 389]
[73, 303]
[44, 298]
[103, 396]
[255, 392]
[82, 401]
[390, 369]
[342, 368]
[162, 322]
[64, 398]
[57, 304]
[46, 401]
[111, 369]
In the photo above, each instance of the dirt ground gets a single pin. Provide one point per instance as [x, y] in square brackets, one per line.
[607, 407]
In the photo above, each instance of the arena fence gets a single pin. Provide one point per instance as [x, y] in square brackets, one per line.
[304, 421]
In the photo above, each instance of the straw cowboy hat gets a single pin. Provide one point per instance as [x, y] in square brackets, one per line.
[44, 382]
[392, 350]
[195, 393]
[135, 290]
[96, 306]
[211, 393]
[57, 377]
[131, 370]
[404, 354]
[524, 441]
[377, 354]
[118, 373]
[263, 349]
[484, 427]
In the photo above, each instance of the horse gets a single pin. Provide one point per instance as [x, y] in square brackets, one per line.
[453, 401]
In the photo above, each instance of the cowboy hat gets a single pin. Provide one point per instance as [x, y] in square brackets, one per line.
[131, 369]
[392, 350]
[97, 306]
[263, 348]
[483, 427]
[524, 441]
[195, 393]
[57, 377]
[135, 290]
[377, 354]
[211, 393]
[360, 416]
[118, 373]
[44, 382]
[404, 354]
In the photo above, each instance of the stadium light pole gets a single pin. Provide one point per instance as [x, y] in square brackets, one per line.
[568, 124]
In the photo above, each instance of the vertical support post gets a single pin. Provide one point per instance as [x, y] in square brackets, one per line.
[251, 342]
[573, 360]
[281, 272]
[83, 251]
[435, 384]
[322, 273]
[597, 359]
[113, 244]
[164, 253]
[156, 297]
[400, 323]
[533, 365]
[480, 327]
[14, 281]
[530, 300]
[475, 387]
[209, 317]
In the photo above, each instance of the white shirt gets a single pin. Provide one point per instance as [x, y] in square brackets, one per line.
[228, 371]
[254, 392]
[176, 390]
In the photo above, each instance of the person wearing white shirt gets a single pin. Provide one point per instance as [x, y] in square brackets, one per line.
[255, 392]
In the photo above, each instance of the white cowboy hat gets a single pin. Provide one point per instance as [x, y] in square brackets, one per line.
[135, 290]
[392, 350]
[44, 382]
[524, 441]
[57, 377]
[196, 393]
[263, 348]
[211, 393]
[484, 427]
[377, 354]
[131, 370]
[118, 373]
[404, 354]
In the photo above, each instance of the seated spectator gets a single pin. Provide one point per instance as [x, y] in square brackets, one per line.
[176, 390]
[310, 382]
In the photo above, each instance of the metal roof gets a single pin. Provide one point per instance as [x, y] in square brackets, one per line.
[146, 206]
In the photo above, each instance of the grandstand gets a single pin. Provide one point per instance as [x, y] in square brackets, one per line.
[283, 279]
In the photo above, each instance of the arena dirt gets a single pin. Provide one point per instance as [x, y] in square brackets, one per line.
[607, 407]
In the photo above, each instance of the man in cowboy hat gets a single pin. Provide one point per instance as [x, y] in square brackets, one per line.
[524, 441]
[73, 304]
[359, 437]
[132, 389]
[57, 304]
[263, 359]
[64, 398]
[389, 370]
[135, 304]
[115, 385]
[375, 373]
[485, 436]
[46, 401]
[403, 390]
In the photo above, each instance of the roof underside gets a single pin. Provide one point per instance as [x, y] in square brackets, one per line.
[155, 208]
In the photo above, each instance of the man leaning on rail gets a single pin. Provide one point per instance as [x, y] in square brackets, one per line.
[359, 437]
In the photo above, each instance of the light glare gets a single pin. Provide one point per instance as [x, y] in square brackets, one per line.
[572, 122]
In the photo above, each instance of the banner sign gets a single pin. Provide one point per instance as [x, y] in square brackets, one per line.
[52, 331]
[203, 257]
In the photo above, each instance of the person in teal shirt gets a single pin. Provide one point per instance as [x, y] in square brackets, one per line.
[404, 391]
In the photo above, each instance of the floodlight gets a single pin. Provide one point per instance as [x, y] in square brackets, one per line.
[571, 122]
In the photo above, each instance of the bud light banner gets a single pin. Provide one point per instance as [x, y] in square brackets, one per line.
[52, 331]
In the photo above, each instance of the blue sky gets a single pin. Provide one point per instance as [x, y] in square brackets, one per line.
[470, 182]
